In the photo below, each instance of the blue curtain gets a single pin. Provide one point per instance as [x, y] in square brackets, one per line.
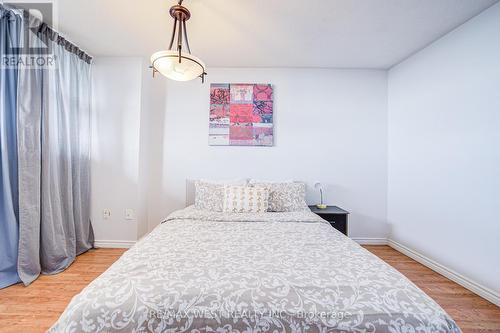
[10, 29]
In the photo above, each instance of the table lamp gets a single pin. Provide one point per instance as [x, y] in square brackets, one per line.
[319, 187]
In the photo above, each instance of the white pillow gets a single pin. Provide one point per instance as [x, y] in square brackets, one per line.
[245, 199]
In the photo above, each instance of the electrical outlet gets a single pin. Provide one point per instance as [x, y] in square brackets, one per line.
[129, 214]
[106, 213]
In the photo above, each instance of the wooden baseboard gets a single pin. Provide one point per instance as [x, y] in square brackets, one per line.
[113, 244]
[370, 241]
[465, 282]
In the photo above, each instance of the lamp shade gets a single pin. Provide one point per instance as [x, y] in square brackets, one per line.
[167, 63]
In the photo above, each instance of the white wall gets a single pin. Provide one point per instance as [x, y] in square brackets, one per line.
[330, 126]
[444, 150]
[150, 135]
[151, 127]
[116, 147]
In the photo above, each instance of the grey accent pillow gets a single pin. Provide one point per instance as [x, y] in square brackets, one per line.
[285, 197]
[209, 196]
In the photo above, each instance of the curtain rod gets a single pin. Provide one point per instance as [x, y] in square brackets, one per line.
[45, 30]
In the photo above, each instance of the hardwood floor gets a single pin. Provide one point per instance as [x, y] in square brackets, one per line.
[37, 307]
[471, 312]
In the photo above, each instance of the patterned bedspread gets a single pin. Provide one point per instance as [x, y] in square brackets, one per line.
[201, 271]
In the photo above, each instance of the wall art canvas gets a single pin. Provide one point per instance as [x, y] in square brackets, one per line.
[241, 114]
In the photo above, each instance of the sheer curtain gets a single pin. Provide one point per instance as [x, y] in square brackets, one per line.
[10, 28]
[53, 161]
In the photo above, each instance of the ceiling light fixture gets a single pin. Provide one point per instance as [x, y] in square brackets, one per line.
[177, 64]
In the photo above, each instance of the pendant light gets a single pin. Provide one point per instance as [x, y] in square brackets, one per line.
[177, 64]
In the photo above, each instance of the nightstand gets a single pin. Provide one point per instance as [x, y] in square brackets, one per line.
[335, 215]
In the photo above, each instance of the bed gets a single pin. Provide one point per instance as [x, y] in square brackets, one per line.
[206, 271]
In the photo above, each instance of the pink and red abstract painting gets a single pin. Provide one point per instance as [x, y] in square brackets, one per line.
[241, 114]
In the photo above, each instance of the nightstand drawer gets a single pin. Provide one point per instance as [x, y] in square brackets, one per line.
[335, 215]
[340, 226]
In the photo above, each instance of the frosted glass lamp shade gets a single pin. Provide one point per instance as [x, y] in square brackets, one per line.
[167, 63]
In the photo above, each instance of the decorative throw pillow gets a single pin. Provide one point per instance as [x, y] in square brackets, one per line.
[245, 199]
[209, 196]
[285, 197]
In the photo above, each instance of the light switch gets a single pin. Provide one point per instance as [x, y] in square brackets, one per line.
[106, 213]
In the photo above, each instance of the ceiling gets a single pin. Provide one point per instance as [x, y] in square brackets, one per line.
[271, 33]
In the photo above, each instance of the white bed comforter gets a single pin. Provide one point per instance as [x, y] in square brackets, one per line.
[274, 272]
